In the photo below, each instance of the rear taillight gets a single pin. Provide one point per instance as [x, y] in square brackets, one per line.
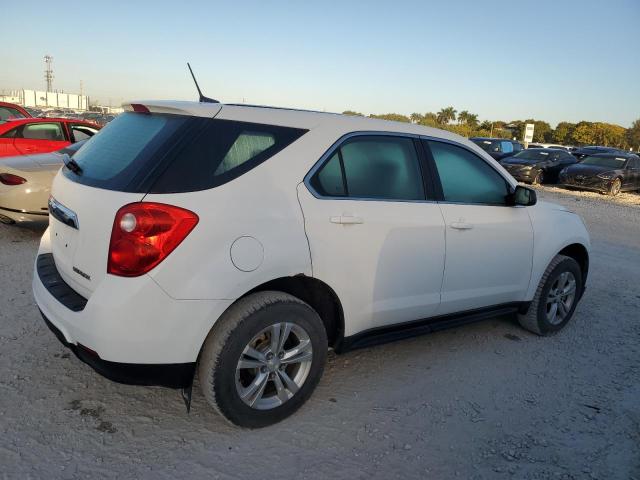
[144, 234]
[10, 179]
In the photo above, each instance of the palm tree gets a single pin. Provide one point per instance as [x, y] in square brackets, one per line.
[472, 120]
[416, 117]
[463, 117]
[447, 115]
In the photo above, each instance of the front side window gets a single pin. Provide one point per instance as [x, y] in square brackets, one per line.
[507, 147]
[372, 167]
[465, 177]
[517, 147]
[43, 131]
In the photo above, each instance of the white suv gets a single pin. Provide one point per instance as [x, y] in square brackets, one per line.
[243, 242]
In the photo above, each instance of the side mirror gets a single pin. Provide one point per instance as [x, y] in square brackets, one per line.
[523, 196]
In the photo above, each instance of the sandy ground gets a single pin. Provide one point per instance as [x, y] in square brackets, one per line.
[486, 401]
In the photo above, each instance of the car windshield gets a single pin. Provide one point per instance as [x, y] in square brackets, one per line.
[531, 156]
[609, 162]
[487, 145]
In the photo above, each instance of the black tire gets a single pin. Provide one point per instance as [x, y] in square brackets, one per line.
[535, 320]
[225, 343]
[615, 187]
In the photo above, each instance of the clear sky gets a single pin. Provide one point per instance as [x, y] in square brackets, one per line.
[552, 60]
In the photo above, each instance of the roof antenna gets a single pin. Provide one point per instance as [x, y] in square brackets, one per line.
[202, 98]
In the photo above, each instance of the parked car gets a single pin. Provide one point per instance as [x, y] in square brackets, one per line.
[549, 145]
[99, 118]
[609, 173]
[583, 152]
[42, 135]
[242, 242]
[11, 111]
[538, 165]
[25, 184]
[498, 148]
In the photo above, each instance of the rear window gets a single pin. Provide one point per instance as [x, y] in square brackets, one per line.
[487, 145]
[160, 153]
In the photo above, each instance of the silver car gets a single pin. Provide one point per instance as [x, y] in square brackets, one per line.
[25, 184]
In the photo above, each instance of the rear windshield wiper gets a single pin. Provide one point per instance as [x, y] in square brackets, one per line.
[71, 164]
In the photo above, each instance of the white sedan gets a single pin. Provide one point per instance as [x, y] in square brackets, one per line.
[25, 184]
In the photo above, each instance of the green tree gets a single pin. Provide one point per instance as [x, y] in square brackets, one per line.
[416, 117]
[395, 117]
[351, 112]
[447, 115]
[562, 133]
[633, 136]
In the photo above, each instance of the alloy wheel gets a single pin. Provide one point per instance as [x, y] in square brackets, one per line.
[274, 365]
[560, 298]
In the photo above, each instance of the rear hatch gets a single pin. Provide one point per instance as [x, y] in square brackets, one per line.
[152, 150]
[117, 167]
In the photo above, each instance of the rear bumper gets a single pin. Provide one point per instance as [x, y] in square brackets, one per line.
[125, 321]
[177, 375]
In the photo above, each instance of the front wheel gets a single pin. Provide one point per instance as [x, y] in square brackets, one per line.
[538, 179]
[263, 359]
[615, 187]
[556, 298]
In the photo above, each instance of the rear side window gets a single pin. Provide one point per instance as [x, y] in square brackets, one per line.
[507, 147]
[43, 131]
[7, 113]
[465, 177]
[375, 167]
[160, 153]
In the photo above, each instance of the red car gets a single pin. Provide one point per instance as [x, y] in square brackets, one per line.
[9, 111]
[42, 135]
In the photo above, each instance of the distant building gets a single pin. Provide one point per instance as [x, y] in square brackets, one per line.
[40, 99]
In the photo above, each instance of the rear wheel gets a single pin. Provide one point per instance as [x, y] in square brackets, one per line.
[615, 187]
[263, 359]
[556, 298]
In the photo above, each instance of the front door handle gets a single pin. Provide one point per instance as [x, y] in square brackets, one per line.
[347, 220]
[459, 225]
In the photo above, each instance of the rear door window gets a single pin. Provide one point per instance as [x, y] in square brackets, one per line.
[160, 153]
[372, 167]
[81, 132]
[7, 113]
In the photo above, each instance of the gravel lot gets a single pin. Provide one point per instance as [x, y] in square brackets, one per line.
[487, 400]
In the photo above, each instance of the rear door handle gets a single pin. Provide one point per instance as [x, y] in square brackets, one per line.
[461, 225]
[347, 220]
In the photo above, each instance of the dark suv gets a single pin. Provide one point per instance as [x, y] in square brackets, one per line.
[498, 148]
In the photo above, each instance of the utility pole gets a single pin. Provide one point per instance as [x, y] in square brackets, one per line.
[48, 72]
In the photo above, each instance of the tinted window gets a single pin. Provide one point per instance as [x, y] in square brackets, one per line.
[10, 134]
[329, 180]
[173, 153]
[609, 162]
[487, 145]
[6, 113]
[374, 167]
[507, 147]
[82, 132]
[43, 131]
[466, 178]
[517, 147]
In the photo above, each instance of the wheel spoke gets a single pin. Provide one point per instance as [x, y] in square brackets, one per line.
[569, 288]
[562, 281]
[255, 354]
[248, 363]
[300, 353]
[280, 389]
[254, 392]
[291, 385]
[563, 309]
[551, 316]
[284, 335]
[275, 337]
